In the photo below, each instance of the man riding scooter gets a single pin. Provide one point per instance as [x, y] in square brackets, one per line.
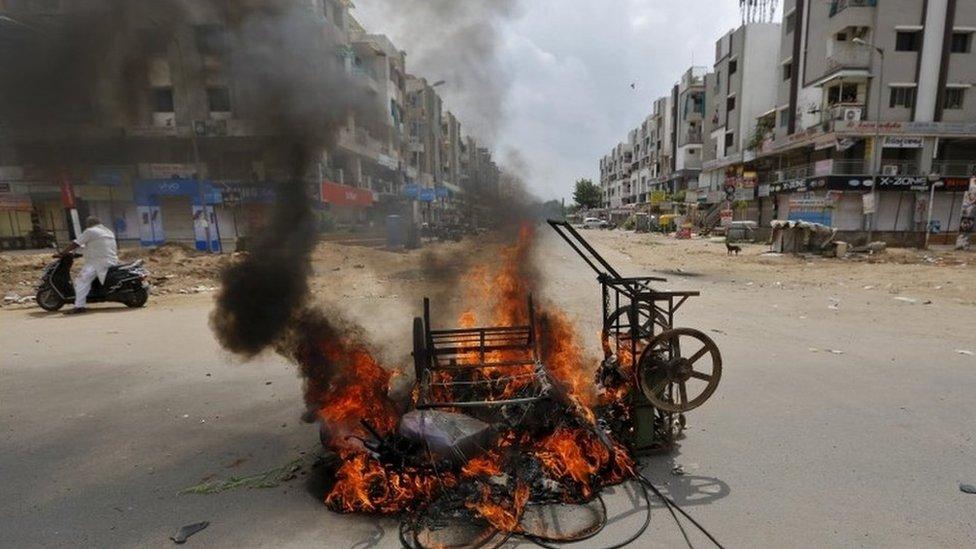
[100, 252]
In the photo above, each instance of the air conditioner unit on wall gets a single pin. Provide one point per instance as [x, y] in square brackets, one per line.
[889, 169]
[852, 114]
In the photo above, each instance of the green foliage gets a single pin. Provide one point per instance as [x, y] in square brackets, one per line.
[267, 479]
[630, 224]
[587, 195]
[764, 126]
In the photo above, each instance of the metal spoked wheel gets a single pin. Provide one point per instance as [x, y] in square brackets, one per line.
[649, 320]
[677, 382]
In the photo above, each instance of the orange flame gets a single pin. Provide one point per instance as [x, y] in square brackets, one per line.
[502, 514]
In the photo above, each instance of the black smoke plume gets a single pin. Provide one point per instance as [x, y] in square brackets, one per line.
[84, 71]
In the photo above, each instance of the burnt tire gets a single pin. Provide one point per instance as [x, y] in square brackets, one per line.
[49, 300]
[137, 298]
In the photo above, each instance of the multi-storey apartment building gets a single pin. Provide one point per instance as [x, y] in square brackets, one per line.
[452, 143]
[424, 119]
[741, 89]
[616, 169]
[873, 87]
[688, 98]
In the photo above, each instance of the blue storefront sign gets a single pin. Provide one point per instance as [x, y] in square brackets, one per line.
[427, 195]
[411, 190]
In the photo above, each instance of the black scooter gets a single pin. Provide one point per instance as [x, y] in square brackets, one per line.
[124, 283]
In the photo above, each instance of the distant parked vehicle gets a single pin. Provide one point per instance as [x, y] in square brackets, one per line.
[594, 223]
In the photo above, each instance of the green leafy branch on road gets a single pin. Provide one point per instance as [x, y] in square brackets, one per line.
[267, 479]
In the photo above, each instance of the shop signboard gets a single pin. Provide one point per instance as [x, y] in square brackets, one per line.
[762, 191]
[427, 194]
[167, 171]
[341, 195]
[867, 201]
[658, 197]
[726, 217]
[823, 167]
[745, 193]
[902, 142]
[15, 203]
[102, 193]
[808, 201]
[851, 183]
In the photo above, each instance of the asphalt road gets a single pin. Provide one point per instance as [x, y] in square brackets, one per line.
[104, 418]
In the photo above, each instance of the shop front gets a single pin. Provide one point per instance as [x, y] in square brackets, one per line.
[172, 210]
[846, 203]
[15, 218]
[346, 205]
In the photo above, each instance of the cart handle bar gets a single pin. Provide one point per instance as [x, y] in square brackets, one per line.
[576, 241]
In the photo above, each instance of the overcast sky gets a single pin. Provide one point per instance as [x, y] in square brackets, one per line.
[570, 65]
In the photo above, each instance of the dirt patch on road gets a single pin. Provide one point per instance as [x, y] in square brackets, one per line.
[919, 273]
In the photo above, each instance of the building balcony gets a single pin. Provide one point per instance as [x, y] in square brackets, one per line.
[839, 6]
[956, 168]
[693, 137]
[849, 57]
[841, 167]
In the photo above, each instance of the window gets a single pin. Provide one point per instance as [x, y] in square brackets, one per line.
[954, 98]
[209, 39]
[788, 71]
[841, 37]
[784, 118]
[902, 97]
[962, 42]
[733, 66]
[842, 93]
[162, 100]
[729, 140]
[908, 41]
[218, 99]
[790, 22]
[730, 104]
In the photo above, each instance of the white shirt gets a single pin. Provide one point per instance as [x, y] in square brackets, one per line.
[100, 249]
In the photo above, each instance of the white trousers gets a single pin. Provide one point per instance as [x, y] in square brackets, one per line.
[83, 284]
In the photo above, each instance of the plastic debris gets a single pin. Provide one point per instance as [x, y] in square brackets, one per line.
[186, 531]
[964, 352]
[447, 435]
[906, 299]
[968, 488]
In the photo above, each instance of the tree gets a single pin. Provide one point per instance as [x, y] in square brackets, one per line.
[587, 195]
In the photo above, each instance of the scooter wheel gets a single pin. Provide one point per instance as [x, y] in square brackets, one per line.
[49, 300]
[137, 298]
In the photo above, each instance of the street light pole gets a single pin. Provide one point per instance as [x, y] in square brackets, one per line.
[877, 151]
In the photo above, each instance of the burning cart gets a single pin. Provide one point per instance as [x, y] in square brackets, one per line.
[655, 371]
